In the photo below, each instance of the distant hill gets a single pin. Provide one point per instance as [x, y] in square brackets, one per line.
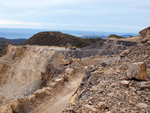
[115, 36]
[93, 36]
[50, 38]
[11, 41]
[4, 43]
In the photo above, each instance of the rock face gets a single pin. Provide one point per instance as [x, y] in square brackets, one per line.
[20, 69]
[145, 34]
[137, 71]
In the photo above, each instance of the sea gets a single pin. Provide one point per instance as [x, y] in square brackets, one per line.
[21, 33]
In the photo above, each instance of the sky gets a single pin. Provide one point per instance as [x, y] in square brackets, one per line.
[90, 15]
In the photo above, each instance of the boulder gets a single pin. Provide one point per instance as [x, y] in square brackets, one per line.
[53, 84]
[145, 84]
[125, 83]
[59, 80]
[6, 109]
[32, 98]
[65, 78]
[66, 62]
[87, 106]
[40, 93]
[47, 90]
[103, 64]
[124, 53]
[93, 88]
[102, 105]
[17, 104]
[137, 71]
[98, 72]
[69, 71]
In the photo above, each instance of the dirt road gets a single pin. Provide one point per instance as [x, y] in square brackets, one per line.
[57, 103]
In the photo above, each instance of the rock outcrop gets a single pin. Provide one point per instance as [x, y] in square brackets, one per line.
[145, 34]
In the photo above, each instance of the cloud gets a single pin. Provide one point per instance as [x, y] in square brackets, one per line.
[38, 3]
[11, 22]
[128, 15]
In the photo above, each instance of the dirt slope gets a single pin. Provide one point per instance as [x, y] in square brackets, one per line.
[21, 67]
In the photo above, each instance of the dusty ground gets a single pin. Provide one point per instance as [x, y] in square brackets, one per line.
[59, 101]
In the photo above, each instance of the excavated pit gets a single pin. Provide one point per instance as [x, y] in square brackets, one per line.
[27, 69]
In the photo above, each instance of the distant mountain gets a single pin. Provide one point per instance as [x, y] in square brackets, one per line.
[93, 36]
[15, 33]
[12, 41]
[106, 35]
[50, 38]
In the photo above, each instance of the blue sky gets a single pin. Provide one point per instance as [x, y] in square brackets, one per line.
[92, 15]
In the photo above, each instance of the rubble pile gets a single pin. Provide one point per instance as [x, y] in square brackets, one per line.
[105, 47]
[110, 90]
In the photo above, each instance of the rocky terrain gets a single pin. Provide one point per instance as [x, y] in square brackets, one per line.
[110, 76]
[119, 85]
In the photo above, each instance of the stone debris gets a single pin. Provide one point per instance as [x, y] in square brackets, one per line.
[112, 92]
[125, 83]
[6, 109]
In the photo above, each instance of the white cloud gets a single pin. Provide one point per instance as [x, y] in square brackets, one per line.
[75, 14]
[38, 3]
[11, 22]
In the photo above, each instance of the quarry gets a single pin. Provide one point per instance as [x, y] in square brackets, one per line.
[109, 76]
